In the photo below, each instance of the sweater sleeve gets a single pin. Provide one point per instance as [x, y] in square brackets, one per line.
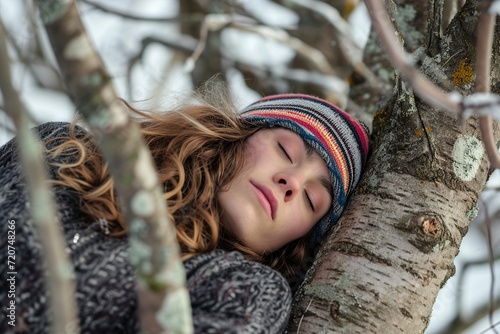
[230, 294]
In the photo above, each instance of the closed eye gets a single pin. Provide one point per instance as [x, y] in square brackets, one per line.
[283, 150]
[308, 200]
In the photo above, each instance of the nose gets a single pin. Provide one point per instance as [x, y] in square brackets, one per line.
[289, 184]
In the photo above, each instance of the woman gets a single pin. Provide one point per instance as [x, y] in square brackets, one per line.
[246, 192]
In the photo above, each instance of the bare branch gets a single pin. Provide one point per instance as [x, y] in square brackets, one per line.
[314, 56]
[43, 212]
[332, 87]
[31, 63]
[182, 43]
[422, 86]
[214, 22]
[458, 324]
[485, 30]
[480, 104]
[163, 299]
[491, 262]
[186, 18]
[491, 327]
[351, 51]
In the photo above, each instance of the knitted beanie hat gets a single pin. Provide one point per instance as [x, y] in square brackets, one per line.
[340, 139]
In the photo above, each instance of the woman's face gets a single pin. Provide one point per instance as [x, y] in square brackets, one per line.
[282, 191]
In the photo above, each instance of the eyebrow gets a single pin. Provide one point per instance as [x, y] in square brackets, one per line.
[323, 180]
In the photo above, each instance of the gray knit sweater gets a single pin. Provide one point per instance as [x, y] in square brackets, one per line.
[228, 293]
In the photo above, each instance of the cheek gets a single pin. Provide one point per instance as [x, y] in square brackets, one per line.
[301, 226]
[228, 202]
[257, 146]
[250, 155]
[303, 230]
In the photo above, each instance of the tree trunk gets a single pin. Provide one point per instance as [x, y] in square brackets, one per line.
[382, 267]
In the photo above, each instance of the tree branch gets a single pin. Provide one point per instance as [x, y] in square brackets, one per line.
[332, 87]
[43, 212]
[458, 324]
[350, 50]
[485, 30]
[186, 18]
[491, 262]
[163, 299]
[425, 88]
[183, 43]
[314, 56]
[215, 22]
[30, 65]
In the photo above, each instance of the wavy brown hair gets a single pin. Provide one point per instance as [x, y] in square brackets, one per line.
[197, 150]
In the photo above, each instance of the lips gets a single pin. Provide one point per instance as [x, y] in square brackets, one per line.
[267, 199]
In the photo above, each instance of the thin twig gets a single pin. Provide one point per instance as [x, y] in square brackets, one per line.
[194, 17]
[302, 317]
[30, 63]
[315, 57]
[182, 43]
[202, 42]
[330, 85]
[465, 268]
[215, 22]
[491, 263]
[458, 324]
[491, 327]
[351, 51]
[485, 30]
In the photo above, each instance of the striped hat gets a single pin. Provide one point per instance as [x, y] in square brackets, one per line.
[340, 139]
